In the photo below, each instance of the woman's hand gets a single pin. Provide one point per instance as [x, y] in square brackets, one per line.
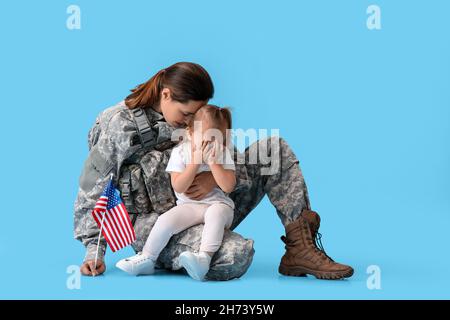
[87, 268]
[202, 185]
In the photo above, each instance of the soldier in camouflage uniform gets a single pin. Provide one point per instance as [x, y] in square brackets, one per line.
[138, 159]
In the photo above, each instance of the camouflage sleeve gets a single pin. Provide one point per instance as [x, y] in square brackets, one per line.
[93, 178]
[104, 158]
[94, 132]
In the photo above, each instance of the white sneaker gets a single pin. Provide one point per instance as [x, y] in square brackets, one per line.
[137, 264]
[196, 264]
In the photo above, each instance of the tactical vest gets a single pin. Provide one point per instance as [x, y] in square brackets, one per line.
[142, 181]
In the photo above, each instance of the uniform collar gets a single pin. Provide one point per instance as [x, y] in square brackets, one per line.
[154, 115]
[149, 111]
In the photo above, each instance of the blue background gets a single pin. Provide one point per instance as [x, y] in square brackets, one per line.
[366, 112]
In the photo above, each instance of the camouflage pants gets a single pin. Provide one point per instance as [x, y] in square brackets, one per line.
[285, 188]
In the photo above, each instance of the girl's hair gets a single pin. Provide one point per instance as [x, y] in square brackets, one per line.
[220, 118]
[186, 81]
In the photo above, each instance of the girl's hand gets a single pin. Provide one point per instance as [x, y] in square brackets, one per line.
[214, 153]
[197, 152]
[208, 152]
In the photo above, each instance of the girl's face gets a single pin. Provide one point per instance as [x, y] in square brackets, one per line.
[177, 114]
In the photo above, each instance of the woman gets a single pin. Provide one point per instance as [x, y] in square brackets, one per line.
[169, 100]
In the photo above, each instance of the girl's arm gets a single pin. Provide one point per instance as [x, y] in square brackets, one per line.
[226, 179]
[181, 181]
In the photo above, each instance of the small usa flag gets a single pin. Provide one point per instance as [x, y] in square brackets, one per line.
[112, 219]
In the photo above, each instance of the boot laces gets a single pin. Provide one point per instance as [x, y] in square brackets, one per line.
[317, 241]
[319, 245]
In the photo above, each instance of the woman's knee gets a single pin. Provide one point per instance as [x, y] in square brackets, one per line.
[274, 143]
[233, 258]
[278, 151]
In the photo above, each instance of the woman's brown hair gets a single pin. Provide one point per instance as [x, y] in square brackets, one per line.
[186, 81]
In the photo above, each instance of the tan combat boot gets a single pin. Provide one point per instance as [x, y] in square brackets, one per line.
[304, 252]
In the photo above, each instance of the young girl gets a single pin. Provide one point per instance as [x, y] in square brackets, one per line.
[203, 150]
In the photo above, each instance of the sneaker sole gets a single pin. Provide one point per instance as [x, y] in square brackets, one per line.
[120, 266]
[131, 273]
[302, 272]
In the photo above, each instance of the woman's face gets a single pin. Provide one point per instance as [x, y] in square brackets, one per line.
[177, 114]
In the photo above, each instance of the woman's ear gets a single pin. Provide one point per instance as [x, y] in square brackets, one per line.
[165, 94]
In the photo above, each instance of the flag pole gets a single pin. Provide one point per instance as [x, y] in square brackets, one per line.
[99, 236]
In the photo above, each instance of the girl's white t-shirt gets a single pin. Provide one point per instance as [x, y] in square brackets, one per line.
[181, 156]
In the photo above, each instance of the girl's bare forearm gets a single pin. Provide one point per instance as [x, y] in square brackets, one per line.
[182, 181]
[225, 179]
